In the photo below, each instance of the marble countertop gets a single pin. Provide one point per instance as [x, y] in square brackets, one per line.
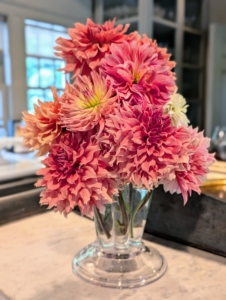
[19, 169]
[36, 255]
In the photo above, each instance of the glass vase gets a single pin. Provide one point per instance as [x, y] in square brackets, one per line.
[118, 258]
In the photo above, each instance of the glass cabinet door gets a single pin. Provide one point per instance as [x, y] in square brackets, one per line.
[165, 9]
[133, 27]
[194, 114]
[191, 84]
[193, 10]
[165, 37]
[191, 48]
[120, 9]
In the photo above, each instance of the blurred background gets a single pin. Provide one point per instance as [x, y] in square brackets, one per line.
[194, 31]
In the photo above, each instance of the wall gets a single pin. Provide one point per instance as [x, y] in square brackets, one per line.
[65, 13]
[217, 9]
[215, 91]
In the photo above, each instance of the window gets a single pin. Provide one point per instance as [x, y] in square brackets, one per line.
[3, 87]
[41, 64]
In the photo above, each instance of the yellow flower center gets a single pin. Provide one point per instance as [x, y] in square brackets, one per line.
[136, 78]
[91, 100]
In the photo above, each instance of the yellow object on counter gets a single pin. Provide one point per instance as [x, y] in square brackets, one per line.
[217, 174]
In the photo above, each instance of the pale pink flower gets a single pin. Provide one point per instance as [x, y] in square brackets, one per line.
[139, 144]
[88, 45]
[42, 128]
[90, 102]
[140, 69]
[187, 176]
[75, 174]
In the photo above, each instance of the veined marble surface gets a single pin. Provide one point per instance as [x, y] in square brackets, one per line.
[36, 255]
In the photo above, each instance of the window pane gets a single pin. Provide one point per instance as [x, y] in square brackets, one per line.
[31, 36]
[59, 75]
[190, 87]
[56, 35]
[32, 72]
[48, 95]
[194, 114]
[193, 10]
[44, 25]
[58, 28]
[120, 9]
[165, 36]
[46, 72]
[60, 92]
[165, 9]
[1, 105]
[191, 47]
[68, 77]
[33, 95]
[31, 22]
[46, 42]
[133, 27]
[3, 132]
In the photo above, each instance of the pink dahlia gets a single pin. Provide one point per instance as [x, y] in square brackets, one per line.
[42, 128]
[141, 144]
[88, 45]
[74, 174]
[161, 52]
[89, 102]
[187, 176]
[137, 69]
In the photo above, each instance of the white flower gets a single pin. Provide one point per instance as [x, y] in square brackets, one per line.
[177, 108]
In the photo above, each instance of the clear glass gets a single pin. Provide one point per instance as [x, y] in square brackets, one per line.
[46, 72]
[194, 114]
[218, 142]
[56, 35]
[191, 83]
[46, 42]
[59, 76]
[48, 95]
[31, 34]
[33, 95]
[32, 71]
[120, 9]
[165, 9]
[118, 258]
[191, 48]
[193, 11]
[133, 27]
[165, 36]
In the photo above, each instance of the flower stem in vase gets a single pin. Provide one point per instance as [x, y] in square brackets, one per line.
[101, 222]
[123, 208]
[138, 208]
[130, 194]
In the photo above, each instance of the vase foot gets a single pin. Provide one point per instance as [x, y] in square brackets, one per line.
[111, 268]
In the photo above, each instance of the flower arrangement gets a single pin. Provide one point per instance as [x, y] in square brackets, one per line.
[120, 122]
